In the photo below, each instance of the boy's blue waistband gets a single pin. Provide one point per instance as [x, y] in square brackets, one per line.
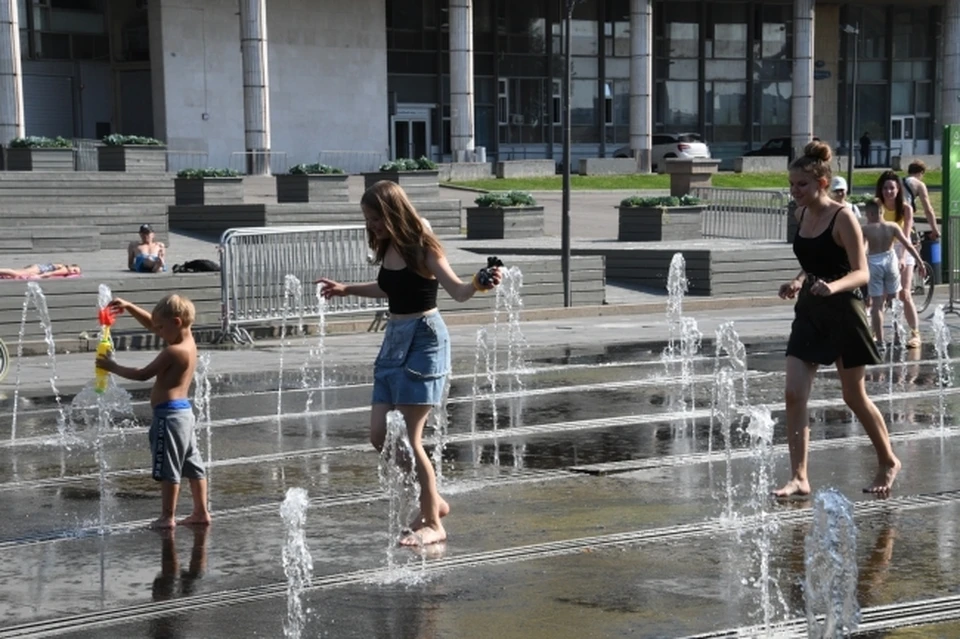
[173, 404]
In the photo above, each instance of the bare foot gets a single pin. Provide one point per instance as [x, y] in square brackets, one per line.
[793, 488]
[163, 523]
[883, 481]
[417, 523]
[196, 519]
[425, 536]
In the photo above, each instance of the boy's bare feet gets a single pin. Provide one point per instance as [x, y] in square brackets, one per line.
[417, 522]
[196, 519]
[793, 488]
[883, 481]
[163, 523]
[425, 536]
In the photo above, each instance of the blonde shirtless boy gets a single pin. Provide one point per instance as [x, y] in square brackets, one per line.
[173, 441]
[878, 236]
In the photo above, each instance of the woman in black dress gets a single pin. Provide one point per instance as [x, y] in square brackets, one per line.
[830, 325]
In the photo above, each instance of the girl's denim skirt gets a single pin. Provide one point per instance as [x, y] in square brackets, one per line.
[413, 363]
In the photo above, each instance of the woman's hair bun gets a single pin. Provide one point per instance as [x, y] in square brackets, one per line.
[818, 150]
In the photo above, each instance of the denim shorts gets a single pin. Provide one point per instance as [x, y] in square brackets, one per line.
[413, 363]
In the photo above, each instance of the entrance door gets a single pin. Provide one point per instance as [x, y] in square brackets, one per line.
[902, 135]
[410, 132]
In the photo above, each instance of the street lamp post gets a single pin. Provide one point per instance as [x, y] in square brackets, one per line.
[567, 123]
[855, 32]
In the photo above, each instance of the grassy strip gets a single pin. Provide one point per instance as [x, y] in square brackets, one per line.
[862, 180]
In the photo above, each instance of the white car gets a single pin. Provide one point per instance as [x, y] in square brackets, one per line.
[685, 146]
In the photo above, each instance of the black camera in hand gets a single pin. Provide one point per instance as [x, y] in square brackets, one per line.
[485, 275]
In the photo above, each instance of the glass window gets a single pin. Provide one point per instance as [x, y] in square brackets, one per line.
[872, 110]
[583, 103]
[618, 67]
[483, 16]
[682, 41]
[924, 103]
[678, 105]
[776, 35]
[772, 105]
[405, 14]
[725, 69]
[584, 67]
[873, 33]
[871, 71]
[677, 69]
[902, 98]
[729, 41]
[728, 111]
[583, 35]
[924, 128]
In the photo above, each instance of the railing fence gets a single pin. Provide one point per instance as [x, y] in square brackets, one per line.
[746, 214]
[254, 264]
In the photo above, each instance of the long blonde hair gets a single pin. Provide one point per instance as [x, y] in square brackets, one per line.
[406, 230]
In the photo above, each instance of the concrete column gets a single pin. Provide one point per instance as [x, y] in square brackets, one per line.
[801, 107]
[950, 92]
[256, 85]
[641, 81]
[461, 80]
[11, 75]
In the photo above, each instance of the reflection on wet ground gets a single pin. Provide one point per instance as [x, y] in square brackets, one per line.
[590, 495]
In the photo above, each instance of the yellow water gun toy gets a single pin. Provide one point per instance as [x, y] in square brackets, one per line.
[107, 317]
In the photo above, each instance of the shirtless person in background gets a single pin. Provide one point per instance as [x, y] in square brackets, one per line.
[147, 255]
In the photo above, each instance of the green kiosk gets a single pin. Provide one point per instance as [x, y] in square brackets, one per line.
[951, 212]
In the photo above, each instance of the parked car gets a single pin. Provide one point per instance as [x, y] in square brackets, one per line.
[773, 147]
[685, 146]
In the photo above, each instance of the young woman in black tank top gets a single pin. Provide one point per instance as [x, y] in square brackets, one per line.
[411, 370]
[830, 325]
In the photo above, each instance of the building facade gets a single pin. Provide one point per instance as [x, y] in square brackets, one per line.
[444, 77]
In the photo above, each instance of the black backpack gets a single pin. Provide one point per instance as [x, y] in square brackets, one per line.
[197, 266]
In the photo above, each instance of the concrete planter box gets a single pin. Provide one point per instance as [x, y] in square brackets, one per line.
[132, 159]
[418, 185]
[313, 188]
[655, 224]
[686, 175]
[525, 168]
[28, 159]
[607, 166]
[192, 191]
[490, 223]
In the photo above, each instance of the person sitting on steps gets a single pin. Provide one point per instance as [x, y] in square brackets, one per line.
[147, 255]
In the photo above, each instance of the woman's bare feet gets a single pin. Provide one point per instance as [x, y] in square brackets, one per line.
[196, 519]
[793, 488]
[425, 536]
[163, 523]
[417, 523]
[883, 481]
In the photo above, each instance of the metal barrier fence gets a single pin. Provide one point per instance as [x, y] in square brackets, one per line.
[254, 264]
[744, 214]
[256, 162]
[353, 162]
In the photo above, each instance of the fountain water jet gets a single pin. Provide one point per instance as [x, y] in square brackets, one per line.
[941, 334]
[316, 355]
[292, 297]
[830, 587]
[297, 561]
[398, 478]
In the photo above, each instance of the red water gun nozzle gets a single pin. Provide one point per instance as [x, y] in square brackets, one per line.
[108, 315]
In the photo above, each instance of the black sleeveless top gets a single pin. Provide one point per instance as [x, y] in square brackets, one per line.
[408, 291]
[820, 256]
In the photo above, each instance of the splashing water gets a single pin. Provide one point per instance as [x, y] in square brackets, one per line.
[312, 378]
[201, 403]
[34, 295]
[941, 333]
[297, 561]
[439, 422]
[509, 295]
[677, 286]
[684, 336]
[898, 336]
[729, 368]
[398, 478]
[292, 299]
[830, 587]
[764, 526]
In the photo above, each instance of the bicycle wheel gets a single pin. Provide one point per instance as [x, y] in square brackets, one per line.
[922, 288]
[4, 360]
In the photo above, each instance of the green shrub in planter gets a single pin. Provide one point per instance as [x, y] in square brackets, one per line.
[315, 169]
[505, 199]
[118, 139]
[406, 164]
[860, 200]
[664, 201]
[196, 174]
[40, 142]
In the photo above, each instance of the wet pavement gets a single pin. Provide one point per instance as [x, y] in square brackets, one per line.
[592, 496]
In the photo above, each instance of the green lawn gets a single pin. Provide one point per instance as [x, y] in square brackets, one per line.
[861, 180]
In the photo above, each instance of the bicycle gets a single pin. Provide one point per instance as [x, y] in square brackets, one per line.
[4, 360]
[922, 291]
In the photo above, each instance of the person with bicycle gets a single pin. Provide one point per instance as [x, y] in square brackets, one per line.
[894, 208]
[879, 235]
